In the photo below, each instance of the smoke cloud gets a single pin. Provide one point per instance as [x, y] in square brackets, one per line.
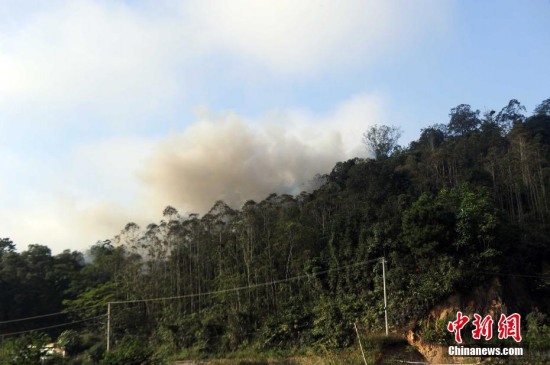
[102, 185]
[233, 159]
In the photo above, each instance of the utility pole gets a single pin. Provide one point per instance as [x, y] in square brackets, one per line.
[385, 300]
[108, 326]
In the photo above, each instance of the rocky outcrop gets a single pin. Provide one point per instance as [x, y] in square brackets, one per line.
[481, 300]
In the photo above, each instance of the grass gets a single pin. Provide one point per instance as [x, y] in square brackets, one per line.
[378, 349]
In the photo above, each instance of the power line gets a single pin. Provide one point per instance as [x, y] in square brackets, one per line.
[51, 314]
[514, 275]
[54, 326]
[189, 295]
[300, 277]
[238, 289]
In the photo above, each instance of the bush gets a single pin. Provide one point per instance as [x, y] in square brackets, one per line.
[129, 351]
[24, 350]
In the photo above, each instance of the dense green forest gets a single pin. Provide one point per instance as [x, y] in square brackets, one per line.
[465, 203]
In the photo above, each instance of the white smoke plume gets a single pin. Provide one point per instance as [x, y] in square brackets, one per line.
[229, 158]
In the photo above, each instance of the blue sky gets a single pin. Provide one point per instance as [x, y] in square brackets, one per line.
[111, 110]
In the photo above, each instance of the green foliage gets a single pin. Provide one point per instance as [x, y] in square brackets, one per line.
[381, 140]
[463, 120]
[24, 350]
[543, 108]
[70, 340]
[334, 318]
[435, 331]
[538, 331]
[477, 220]
[6, 245]
[129, 350]
[252, 362]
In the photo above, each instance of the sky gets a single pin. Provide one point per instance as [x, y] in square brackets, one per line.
[112, 110]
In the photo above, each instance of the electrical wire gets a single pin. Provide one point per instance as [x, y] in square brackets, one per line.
[514, 275]
[52, 314]
[190, 295]
[53, 326]
[300, 277]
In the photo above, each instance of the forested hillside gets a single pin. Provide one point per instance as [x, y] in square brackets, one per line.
[467, 202]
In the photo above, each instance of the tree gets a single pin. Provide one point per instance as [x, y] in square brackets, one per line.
[463, 120]
[24, 350]
[381, 140]
[510, 115]
[171, 213]
[432, 137]
[6, 245]
[543, 108]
